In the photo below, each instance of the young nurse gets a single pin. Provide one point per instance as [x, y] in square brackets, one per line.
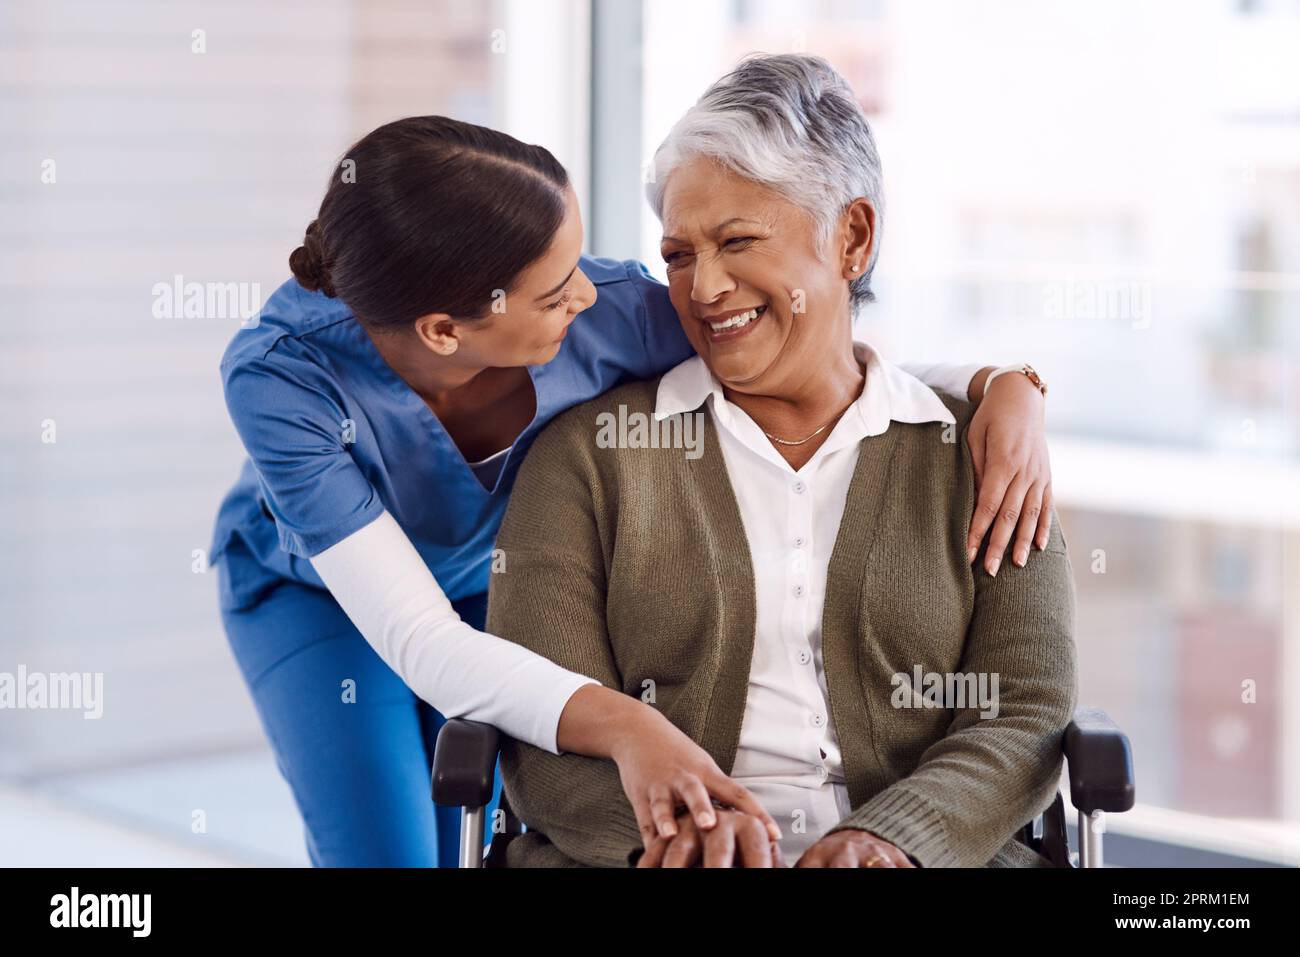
[441, 314]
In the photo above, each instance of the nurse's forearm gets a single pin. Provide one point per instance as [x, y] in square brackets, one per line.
[600, 722]
[386, 589]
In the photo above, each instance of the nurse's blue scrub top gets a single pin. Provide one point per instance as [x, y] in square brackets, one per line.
[335, 437]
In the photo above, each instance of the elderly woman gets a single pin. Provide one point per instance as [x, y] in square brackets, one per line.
[794, 593]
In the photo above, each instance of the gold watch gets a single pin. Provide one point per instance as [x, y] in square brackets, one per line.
[1025, 369]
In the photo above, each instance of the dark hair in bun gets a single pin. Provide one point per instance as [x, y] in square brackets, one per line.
[430, 214]
[308, 263]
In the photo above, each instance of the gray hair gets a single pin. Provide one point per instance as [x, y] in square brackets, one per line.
[789, 122]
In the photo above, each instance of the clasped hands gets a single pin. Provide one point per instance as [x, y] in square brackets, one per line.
[742, 840]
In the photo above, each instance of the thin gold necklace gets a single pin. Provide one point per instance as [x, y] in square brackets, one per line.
[809, 438]
[838, 415]
[800, 441]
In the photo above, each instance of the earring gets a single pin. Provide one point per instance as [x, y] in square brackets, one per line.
[854, 267]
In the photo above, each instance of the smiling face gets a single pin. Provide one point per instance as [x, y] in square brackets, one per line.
[754, 297]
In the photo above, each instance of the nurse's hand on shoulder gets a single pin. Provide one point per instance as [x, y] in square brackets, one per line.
[1013, 478]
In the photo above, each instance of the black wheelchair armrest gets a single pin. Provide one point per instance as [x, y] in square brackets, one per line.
[464, 762]
[1100, 763]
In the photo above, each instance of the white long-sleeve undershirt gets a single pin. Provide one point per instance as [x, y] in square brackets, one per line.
[387, 590]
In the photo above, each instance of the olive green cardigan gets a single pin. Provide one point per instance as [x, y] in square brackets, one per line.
[631, 565]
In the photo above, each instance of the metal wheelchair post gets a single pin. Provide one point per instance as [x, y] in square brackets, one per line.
[471, 836]
[1091, 828]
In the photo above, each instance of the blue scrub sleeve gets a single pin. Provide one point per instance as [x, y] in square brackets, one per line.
[293, 425]
[665, 344]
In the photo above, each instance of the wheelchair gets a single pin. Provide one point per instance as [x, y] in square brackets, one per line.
[1097, 756]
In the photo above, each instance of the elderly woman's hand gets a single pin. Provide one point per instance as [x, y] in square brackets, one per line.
[851, 848]
[737, 840]
[1012, 475]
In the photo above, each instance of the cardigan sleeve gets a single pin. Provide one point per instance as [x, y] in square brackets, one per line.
[550, 598]
[988, 776]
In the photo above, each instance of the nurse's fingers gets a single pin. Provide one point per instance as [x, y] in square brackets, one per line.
[691, 792]
[1045, 519]
[655, 816]
[731, 794]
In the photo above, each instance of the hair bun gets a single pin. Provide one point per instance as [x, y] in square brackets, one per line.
[309, 264]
